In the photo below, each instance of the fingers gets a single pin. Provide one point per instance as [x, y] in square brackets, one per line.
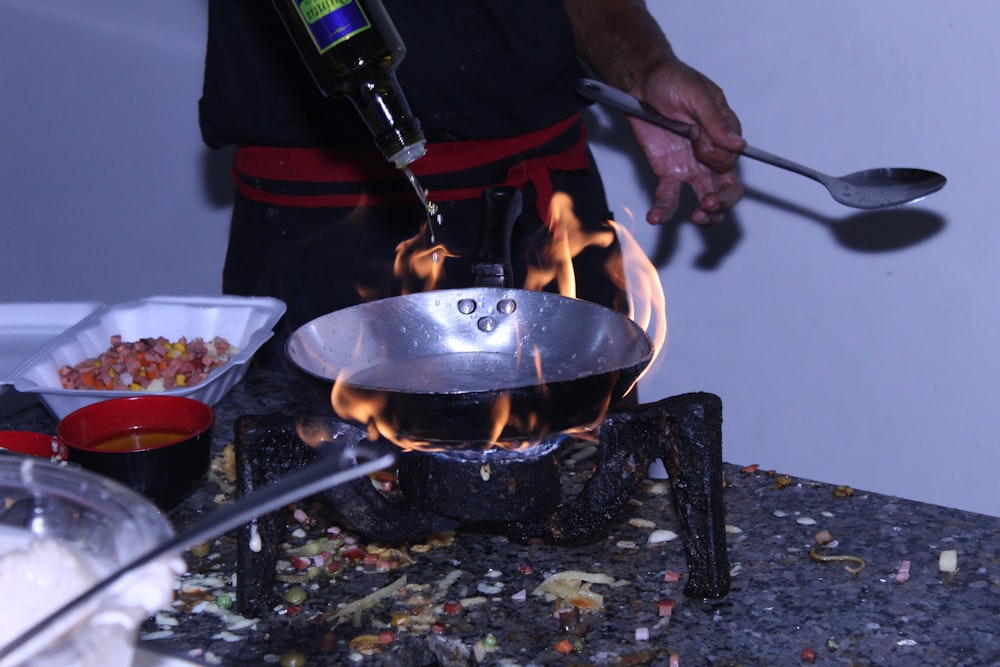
[713, 205]
[665, 201]
[717, 195]
[720, 157]
[675, 162]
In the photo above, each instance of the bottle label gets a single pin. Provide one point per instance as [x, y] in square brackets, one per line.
[330, 22]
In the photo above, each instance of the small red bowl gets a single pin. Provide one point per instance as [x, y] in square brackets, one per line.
[161, 446]
[33, 444]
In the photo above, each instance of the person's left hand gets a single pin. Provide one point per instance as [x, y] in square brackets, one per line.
[707, 161]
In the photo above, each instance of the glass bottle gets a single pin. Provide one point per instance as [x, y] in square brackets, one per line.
[352, 48]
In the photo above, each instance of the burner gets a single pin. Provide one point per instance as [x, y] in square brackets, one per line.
[483, 485]
[517, 493]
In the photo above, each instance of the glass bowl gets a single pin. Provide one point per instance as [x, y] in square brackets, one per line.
[61, 529]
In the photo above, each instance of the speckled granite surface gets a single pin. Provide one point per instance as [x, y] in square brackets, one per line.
[781, 603]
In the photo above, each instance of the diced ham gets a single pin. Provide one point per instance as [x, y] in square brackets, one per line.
[148, 364]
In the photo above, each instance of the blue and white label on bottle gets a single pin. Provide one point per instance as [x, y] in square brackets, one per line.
[330, 22]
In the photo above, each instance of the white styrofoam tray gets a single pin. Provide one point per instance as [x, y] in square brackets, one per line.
[26, 327]
[246, 322]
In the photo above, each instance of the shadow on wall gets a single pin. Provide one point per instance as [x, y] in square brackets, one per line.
[858, 231]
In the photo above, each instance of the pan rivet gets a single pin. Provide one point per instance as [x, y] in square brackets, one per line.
[506, 306]
[466, 306]
[487, 324]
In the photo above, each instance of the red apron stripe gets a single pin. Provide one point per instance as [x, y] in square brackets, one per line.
[317, 165]
[351, 199]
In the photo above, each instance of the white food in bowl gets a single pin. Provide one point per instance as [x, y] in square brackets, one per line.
[37, 576]
[64, 529]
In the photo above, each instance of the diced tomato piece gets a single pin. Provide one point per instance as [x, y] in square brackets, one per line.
[354, 553]
[564, 646]
[88, 380]
[666, 607]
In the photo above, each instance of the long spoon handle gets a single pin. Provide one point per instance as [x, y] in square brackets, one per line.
[618, 99]
[328, 471]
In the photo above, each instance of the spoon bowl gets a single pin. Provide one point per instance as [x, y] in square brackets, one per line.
[882, 187]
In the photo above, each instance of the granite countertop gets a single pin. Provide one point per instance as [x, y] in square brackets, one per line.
[785, 608]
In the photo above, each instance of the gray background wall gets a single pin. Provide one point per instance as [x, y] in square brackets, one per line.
[854, 349]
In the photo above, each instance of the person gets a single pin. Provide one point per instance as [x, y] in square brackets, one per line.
[319, 217]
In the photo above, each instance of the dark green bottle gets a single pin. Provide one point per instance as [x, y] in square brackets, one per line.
[352, 49]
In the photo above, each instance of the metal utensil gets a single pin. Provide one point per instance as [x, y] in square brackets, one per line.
[882, 187]
[331, 469]
[442, 365]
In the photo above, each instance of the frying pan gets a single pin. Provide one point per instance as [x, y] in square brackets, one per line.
[480, 364]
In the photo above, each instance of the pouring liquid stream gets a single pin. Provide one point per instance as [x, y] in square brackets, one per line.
[430, 208]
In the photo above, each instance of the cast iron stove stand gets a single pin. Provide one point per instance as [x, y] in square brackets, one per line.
[684, 431]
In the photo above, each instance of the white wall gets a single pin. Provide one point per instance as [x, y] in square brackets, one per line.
[102, 170]
[877, 369]
[855, 350]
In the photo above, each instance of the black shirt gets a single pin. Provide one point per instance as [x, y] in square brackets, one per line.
[474, 69]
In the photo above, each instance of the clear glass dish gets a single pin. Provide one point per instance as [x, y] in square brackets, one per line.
[89, 525]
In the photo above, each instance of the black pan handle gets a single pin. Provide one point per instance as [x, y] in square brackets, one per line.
[502, 205]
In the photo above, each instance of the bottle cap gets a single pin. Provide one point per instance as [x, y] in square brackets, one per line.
[409, 154]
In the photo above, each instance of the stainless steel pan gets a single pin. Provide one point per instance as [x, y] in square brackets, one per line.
[476, 365]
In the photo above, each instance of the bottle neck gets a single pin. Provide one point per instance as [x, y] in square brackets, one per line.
[380, 102]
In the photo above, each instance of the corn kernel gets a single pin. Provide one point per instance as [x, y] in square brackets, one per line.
[180, 380]
[135, 386]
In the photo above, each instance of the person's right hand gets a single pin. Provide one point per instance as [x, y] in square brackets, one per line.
[707, 162]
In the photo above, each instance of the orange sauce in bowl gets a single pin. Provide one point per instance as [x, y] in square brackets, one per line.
[139, 438]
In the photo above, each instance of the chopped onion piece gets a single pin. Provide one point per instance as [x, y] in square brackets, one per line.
[357, 607]
[662, 535]
[573, 587]
[948, 561]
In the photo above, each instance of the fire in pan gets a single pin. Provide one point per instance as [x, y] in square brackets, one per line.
[477, 365]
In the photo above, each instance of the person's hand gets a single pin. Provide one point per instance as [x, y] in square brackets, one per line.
[707, 161]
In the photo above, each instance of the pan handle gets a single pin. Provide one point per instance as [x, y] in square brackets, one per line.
[501, 207]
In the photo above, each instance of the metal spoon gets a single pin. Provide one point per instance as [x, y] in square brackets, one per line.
[328, 471]
[869, 189]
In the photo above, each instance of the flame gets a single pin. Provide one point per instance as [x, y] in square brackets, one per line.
[566, 239]
[419, 263]
[646, 300]
[419, 266]
[499, 416]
